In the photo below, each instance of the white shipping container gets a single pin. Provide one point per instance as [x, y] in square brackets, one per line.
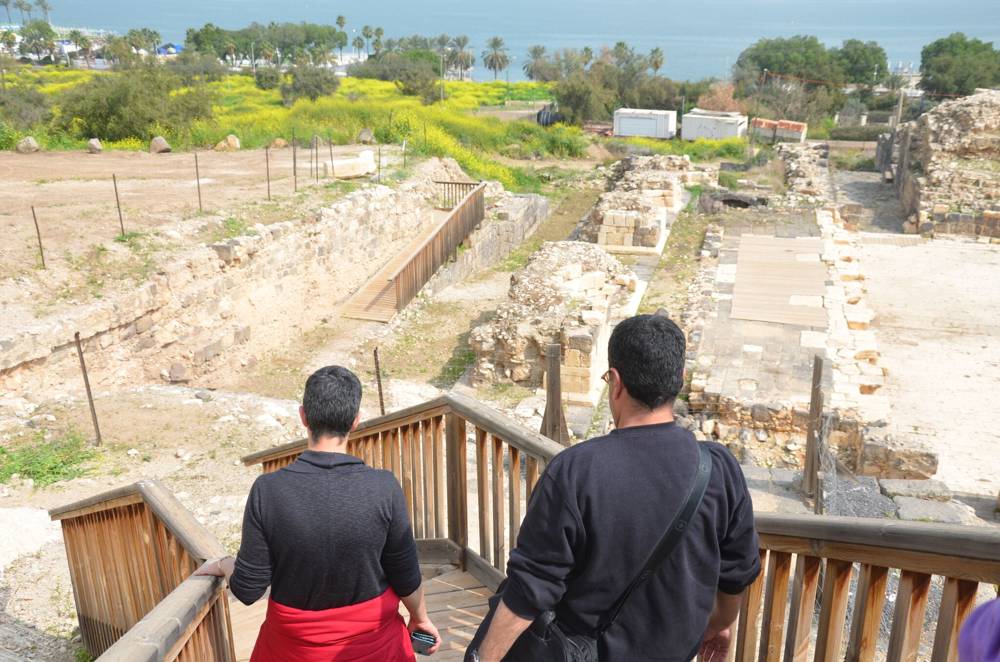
[645, 123]
[712, 124]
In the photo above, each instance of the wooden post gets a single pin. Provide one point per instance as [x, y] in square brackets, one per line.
[197, 177]
[329, 143]
[457, 488]
[38, 233]
[316, 151]
[378, 381]
[554, 420]
[404, 154]
[295, 164]
[809, 477]
[267, 167]
[86, 384]
[380, 164]
[121, 222]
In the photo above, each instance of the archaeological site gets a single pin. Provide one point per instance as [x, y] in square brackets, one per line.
[843, 343]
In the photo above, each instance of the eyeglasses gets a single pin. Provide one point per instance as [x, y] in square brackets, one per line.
[606, 377]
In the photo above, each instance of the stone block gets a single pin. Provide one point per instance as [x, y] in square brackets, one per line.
[159, 145]
[178, 373]
[27, 145]
[924, 510]
[574, 358]
[143, 324]
[581, 340]
[933, 490]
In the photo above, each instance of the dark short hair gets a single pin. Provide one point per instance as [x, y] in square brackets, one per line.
[331, 401]
[648, 353]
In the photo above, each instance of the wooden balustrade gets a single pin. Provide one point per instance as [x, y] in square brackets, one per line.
[798, 609]
[128, 550]
[440, 246]
[451, 193]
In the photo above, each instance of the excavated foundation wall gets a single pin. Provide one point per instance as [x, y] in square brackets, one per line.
[218, 304]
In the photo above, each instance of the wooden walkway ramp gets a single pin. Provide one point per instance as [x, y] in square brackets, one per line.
[456, 602]
[376, 299]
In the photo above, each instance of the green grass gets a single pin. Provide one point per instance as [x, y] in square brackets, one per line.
[699, 150]
[729, 180]
[46, 461]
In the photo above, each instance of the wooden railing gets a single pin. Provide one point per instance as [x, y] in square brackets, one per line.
[439, 247]
[428, 447]
[451, 193]
[808, 560]
[131, 552]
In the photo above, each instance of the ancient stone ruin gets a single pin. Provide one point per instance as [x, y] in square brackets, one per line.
[946, 167]
[564, 295]
[642, 190]
[807, 175]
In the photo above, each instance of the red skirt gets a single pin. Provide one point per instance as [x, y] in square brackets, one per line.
[370, 631]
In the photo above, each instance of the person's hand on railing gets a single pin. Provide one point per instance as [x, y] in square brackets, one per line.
[222, 567]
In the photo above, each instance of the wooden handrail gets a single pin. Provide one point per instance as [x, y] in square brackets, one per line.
[130, 548]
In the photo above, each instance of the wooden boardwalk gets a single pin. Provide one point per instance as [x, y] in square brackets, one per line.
[376, 299]
[780, 280]
[456, 602]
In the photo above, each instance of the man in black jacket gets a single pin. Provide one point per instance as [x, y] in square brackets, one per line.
[602, 506]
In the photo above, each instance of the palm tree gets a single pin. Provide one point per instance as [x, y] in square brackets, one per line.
[367, 33]
[358, 44]
[23, 6]
[231, 52]
[377, 45]
[44, 7]
[379, 33]
[535, 56]
[341, 22]
[460, 58]
[495, 56]
[656, 59]
[87, 46]
[6, 5]
[588, 55]
[74, 37]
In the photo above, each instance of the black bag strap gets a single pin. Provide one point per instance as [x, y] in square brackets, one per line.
[670, 537]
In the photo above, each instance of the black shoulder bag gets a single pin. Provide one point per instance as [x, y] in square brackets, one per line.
[546, 640]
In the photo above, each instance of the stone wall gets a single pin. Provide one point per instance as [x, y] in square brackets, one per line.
[948, 167]
[641, 191]
[220, 303]
[563, 295]
[807, 175]
[510, 219]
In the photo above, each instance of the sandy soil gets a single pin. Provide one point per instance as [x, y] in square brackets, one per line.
[74, 197]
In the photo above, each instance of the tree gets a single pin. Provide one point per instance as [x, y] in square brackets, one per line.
[44, 7]
[536, 58]
[358, 44]
[495, 56]
[6, 5]
[720, 97]
[957, 64]
[145, 39]
[37, 37]
[656, 59]
[588, 55]
[800, 57]
[9, 40]
[74, 37]
[367, 33]
[341, 22]
[339, 42]
[24, 7]
[581, 98]
[461, 57]
[863, 62]
[309, 82]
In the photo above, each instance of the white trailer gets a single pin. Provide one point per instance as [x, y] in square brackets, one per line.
[712, 124]
[646, 123]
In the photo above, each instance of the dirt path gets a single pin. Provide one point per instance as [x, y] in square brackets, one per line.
[882, 210]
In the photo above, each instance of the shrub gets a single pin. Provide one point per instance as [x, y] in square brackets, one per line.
[310, 83]
[24, 107]
[8, 136]
[193, 66]
[868, 133]
[268, 78]
[133, 105]
[729, 180]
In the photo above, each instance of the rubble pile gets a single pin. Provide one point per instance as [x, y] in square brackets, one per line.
[807, 175]
[948, 167]
[564, 295]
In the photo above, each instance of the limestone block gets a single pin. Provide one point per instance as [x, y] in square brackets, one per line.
[229, 144]
[94, 146]
[934, 490]
[573, 358]
[159, 145]
[581, 340]
[27, 145]
[923, 510]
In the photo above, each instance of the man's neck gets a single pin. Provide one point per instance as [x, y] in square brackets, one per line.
[636, 416]
[329, 444]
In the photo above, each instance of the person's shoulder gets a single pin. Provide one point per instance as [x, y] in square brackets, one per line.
[722, 457]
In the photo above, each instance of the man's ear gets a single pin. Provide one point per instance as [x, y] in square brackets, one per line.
[356, 423]
[302, 417]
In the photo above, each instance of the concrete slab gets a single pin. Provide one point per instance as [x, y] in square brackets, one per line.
[923, 510]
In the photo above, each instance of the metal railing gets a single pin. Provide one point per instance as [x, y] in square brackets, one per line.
[131, 552]
[439, 247]
[803, 556]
